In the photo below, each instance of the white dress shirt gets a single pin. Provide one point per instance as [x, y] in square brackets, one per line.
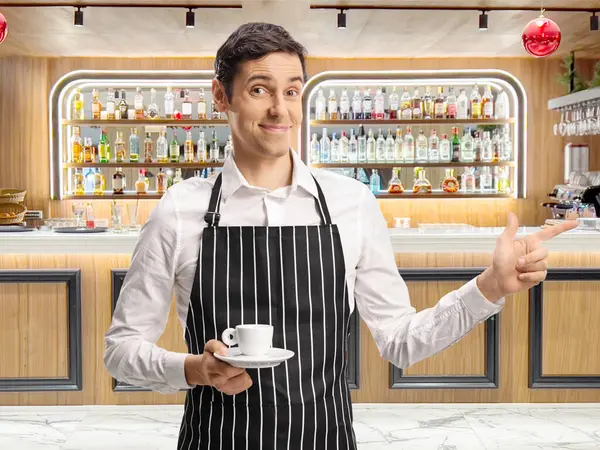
[166, 256]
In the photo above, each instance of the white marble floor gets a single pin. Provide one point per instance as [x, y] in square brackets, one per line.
[378, 427]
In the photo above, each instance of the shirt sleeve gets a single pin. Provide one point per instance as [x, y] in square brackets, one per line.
[404, 336]
[140, 317]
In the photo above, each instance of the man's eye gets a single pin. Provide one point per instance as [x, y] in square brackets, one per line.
[259, 90]
[292, 93]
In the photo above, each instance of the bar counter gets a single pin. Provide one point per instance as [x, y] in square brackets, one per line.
[58, 292]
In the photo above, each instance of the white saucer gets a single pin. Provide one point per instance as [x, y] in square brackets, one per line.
[273, 358]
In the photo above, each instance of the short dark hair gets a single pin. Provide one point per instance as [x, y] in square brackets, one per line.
[253, 41]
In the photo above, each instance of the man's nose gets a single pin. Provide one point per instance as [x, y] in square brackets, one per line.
[278, 107]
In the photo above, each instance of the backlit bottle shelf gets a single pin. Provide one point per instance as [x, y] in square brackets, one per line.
[441, 194]
[125, 165]
[368, 165]
[449, 122]
[145, 122]
[110, 196]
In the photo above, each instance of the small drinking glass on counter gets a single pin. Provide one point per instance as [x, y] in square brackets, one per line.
[401, 222]
[132, 213]
[117, 218]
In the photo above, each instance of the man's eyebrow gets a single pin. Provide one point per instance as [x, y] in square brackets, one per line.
[270, 78]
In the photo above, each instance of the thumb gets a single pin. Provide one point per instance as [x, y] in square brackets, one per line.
[214, 346]
[511, 228]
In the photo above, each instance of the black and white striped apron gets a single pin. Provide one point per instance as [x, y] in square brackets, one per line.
[292, 277]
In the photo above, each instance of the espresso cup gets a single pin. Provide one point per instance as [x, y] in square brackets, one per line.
[252, 339]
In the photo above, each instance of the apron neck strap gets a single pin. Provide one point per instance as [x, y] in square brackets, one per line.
[213, 216]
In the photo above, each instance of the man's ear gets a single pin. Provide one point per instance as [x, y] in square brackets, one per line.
[219, 96]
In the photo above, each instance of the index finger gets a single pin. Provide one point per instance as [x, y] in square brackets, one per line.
[548, 233]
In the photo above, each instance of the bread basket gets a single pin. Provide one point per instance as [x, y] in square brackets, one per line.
[16, 212]
[12, 195]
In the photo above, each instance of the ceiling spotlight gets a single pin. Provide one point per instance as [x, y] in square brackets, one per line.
[190, 18]
[341, 20]
[594, 22]
[483, 21]
[78, 19]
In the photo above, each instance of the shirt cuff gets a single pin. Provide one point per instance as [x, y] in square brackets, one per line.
[479, 307]
[175, 370]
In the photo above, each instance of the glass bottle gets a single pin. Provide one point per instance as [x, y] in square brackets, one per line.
[445, 149]
[215, 115]
[422, 184]
[439, 107]
[380, 153]
[138, 104]
[496, 147]
[140, 184]
[161, 182]
[120, 150]
[117, 110]
[422, 145]
[502, 106]
[344, 147]
[320, 106]
[188, 148]
[88, 150]
[362, 144]
[487, 103]
[375, 182]
[332, 107]
[451, 105]
[477, 146]
[390, 155]
[455, 145]
[434, 147]
[96, 105]
[405, 105]
[89, 181]
[123, 106]
[467, 153]
[104, 148]
[99, 182]
[485, 180]
[134, 146]
[186, 105]
[371, 147]
[507, 147]
[148, 148]
[177, 178]
[344, 105]
[503, 182]
[462, 105]
[417, 106]
[315, 150]
[450, 183]
[352, 147]
[174, 148]
[76, 146]
[395, 184]
[77, 110]
[487, 153]
[215, 150]
[325, 147]
[398, 144]
[335, 149]
[201, 105]
[475, 103]
[408, 147]
[357, 105]
[468, 180]
[228, 150]
[394, 104]
[367, 105]
[379, 105]
[117, 181]
[110, 104]
[162, 147]
[78, 182]
[170, 175]
[153, 111]
[428, 110]
[201, 148]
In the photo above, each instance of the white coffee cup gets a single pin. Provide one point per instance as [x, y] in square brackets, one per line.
[253, 339]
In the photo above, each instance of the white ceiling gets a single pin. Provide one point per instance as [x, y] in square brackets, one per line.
[160, 32]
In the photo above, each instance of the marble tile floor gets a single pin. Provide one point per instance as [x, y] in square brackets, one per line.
[377, 426]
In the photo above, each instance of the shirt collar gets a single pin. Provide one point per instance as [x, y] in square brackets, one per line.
[234, 180]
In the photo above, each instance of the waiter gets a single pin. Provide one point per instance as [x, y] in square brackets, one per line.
[268, 242]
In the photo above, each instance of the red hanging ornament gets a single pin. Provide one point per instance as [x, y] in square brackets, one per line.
[541, 37]
[3, 28]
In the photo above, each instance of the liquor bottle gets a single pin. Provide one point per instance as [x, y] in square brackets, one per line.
[140, 184]
[104, 148]
[162, 147]
[344, 147]
[188, 148]
[468, 180]
[422, 145]
[485, 180]
[148, 148]
[503, 182]
[352, 148]
[455, 145]
[408, 147]
[361, 176]
[161, 182]
[394, 104]
[170, 175]
[367, 105]
[120, 150]
[315, 150]
[320, 106]
[390, 155]
[502, 106]
[371, 147]
[228, 150]
[77, 105]
[467, 153]
[117, 102]
[110, 104]
[451, 105]
[422, 184]
[214, 115]
[335, 149]
[462, 105]
[201, 105]
[332, 105]
[440, 104]
[405, 105]
[417, 105]
[96, 105]
[325, 147]
[487, 103]
[123, 106]
[89, 181]
[395, 184]
[434, 147]
[496, 147]
[99, 182]
[380, 152]
[375, 182]
[450, 183]
[134, 146]
[174, 148]
[117, 181]
[138, 104]
[475, 103]
[362, 144]
[477, 146]
[201, 148]
[487, 153]
[78, 182]
[379, 105]
[186, 105]
[153, 111]
[76, 146]
[88, 150]
[357, 105]
[344, 105]
[428, 111]
[445, 149]
[507, 147]
[178, 177]
[215, 150]
[89, 216]
[398, 144]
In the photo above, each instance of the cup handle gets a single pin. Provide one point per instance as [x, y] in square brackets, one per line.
[229, 337]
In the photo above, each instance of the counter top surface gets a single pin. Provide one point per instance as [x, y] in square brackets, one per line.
[413, 240]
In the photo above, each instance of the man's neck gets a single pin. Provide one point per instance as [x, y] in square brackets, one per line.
[273, 173]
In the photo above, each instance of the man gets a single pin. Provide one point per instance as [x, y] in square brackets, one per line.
[266, 242]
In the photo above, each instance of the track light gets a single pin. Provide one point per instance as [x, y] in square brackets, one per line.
[78, 18]
[341, 20]
[190, 18]
[483, 21]
[594, 22]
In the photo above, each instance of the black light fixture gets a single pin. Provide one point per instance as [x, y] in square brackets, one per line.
[190, 18]
[78, 18]
[483, 21]
[594, 22]
[341, 20]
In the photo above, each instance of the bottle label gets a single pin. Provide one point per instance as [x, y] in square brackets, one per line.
[379, 106]
[344, 105]
[394, 104]
[439, 109]
[138, 103]
[169, 108]
[357, 106]
[501, 111]
[201, 108]
[452, 110]
[367, 106]
[186, 109]
[110, 108]
[117, 184]
[488, 109]
[332, 106]
[96, 107]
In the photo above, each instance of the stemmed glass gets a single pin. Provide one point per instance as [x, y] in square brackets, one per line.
[79, 211]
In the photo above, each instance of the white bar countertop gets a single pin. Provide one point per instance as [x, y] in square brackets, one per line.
[412, 240]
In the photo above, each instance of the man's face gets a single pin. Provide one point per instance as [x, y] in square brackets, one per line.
[265, 108]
